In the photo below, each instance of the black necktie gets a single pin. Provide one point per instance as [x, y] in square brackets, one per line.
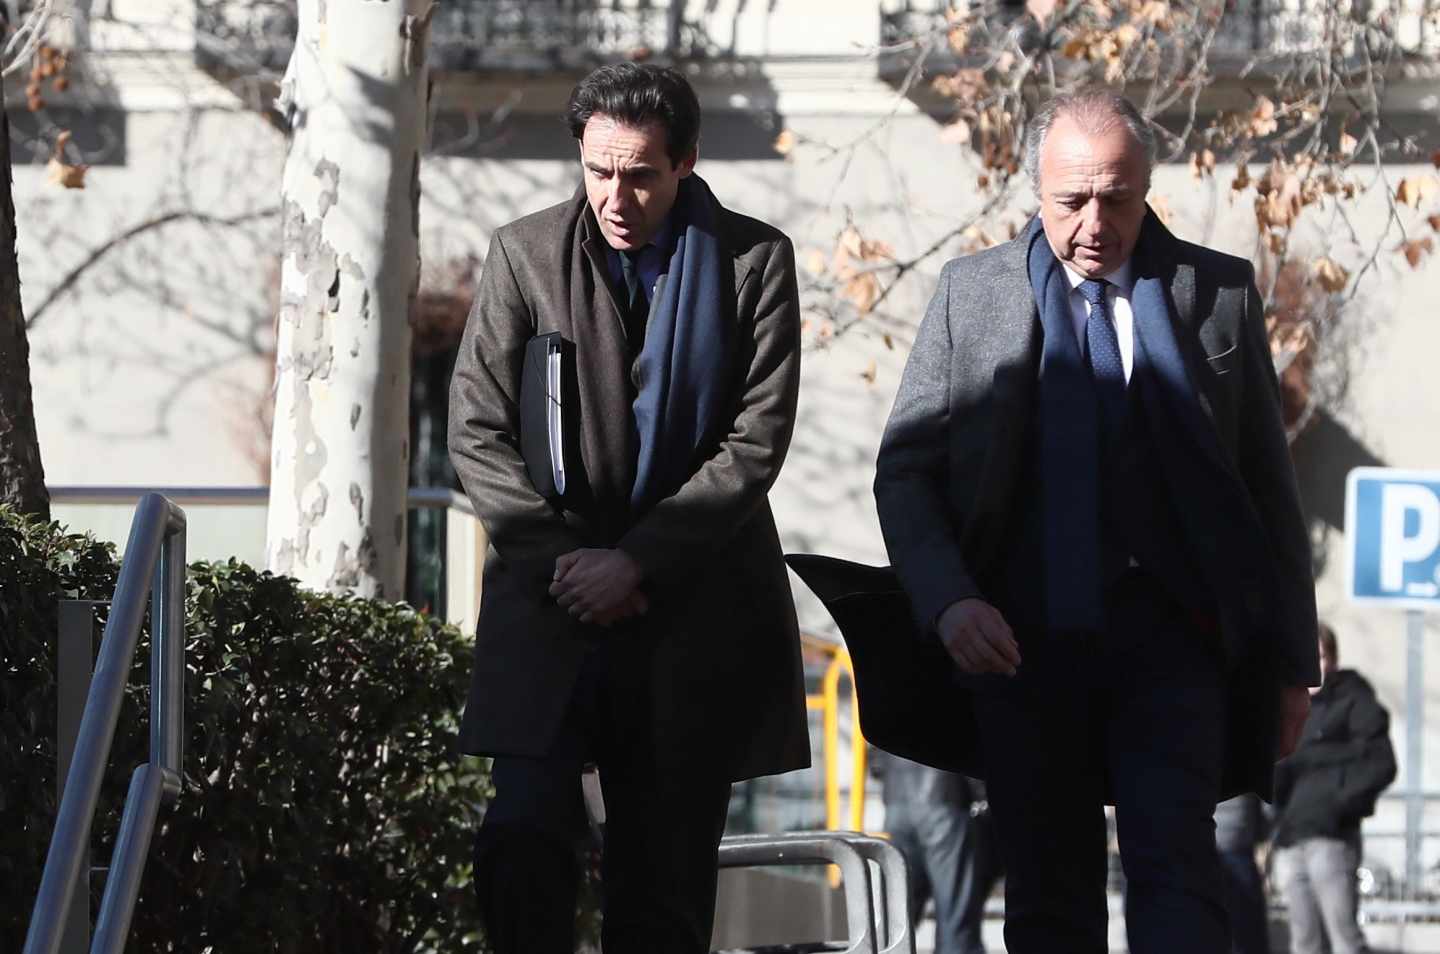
[636, 307]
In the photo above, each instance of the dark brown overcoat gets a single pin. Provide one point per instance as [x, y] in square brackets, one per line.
[724, 677]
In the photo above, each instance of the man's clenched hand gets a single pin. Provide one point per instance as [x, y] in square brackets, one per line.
[598, 586]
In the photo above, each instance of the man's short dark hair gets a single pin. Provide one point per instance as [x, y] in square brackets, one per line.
[637, 95]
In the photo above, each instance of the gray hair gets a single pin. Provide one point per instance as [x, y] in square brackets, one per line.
[1096, 110]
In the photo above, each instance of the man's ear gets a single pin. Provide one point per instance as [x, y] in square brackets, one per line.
[687, 165]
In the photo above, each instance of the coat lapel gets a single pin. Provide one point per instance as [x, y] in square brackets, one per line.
[602, 365]
[1165, 329]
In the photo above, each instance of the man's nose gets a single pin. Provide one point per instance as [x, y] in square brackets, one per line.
[1092, 218]
[621, 194]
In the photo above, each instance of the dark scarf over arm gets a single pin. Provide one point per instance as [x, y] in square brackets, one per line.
[686, 363]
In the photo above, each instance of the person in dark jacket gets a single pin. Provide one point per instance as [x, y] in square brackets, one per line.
[1342, 764]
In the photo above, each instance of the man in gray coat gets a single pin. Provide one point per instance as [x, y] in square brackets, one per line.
[642, 619]
[1086, 493]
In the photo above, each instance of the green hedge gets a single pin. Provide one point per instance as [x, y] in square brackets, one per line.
[324, 807]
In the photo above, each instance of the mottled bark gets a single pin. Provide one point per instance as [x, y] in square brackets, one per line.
[22, 478]
[355, 91]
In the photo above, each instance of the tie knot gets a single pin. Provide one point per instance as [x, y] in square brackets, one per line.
[1093, 289]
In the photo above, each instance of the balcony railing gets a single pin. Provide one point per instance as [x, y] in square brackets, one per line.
[1250, 27]
[470, 34]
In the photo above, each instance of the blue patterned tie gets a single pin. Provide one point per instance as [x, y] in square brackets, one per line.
[1103, 351]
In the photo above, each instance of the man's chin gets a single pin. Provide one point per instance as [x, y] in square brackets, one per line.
[622, 242]
[1092, 267]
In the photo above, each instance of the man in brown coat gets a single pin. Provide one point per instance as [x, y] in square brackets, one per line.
[642, 619]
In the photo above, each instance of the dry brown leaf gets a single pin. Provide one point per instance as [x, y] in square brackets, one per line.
[1415, 250]
[785, 142]
[874, 250]
[64, 174]
[1434, 221]
[1242, 178]
[815, 261]
[870, 372]
[959, 38]
[1331, 275]
[1348, 144]
[1154, 12]
[1416, 190]
[1202, 164]
[889, 341]
[1262, 117]
[967, 85]
[863, 291]
[978, 238]
[1040, 9]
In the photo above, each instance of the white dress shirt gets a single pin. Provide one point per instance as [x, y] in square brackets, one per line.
[1122, 283]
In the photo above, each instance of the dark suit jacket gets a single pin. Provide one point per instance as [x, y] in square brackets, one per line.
[952, 452]
[725, 675]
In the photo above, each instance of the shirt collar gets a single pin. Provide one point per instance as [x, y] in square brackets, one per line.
[1122, 277]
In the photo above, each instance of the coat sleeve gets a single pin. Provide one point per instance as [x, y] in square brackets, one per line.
[912, 472]
[1372, 767]
[484, 431]
[731, 485]
[1269, 475]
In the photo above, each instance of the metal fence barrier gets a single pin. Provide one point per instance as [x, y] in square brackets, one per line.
[154, 561]
[873, 876]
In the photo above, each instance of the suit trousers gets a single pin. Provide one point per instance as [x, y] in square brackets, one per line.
[661, 836]
[1134, 715]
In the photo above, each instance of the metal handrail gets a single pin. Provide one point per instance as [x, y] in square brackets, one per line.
[811, 848]
[154, 560]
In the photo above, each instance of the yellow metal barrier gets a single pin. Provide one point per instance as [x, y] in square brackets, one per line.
[828, 702]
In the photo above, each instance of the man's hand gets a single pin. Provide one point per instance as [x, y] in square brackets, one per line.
[598, 586]
[978, 638]
[1294, 708]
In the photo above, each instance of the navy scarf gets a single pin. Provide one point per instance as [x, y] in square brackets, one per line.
[686, 362]
[1069, 452]
[1069, 430]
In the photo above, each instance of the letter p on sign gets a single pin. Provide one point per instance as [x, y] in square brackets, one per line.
[1393, 525]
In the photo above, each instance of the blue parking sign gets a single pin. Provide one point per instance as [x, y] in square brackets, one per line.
[1392, 518]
